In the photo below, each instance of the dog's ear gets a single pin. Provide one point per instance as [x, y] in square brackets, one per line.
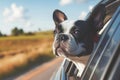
[58, 17]
[96, 18]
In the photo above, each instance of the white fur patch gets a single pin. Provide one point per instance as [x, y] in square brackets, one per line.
[67, 25]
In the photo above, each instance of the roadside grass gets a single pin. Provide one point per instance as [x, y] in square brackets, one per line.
[21, 63]
[10, 43]
[37, 35]
[21, 53]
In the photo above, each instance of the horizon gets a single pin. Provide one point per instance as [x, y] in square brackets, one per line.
[32, 15]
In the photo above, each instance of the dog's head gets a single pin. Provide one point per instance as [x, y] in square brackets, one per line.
[75, 38]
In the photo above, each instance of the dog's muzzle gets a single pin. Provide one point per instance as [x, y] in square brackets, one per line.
[62, 37]
[59, 43]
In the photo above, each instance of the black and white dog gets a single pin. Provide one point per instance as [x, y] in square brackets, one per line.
[76, 38]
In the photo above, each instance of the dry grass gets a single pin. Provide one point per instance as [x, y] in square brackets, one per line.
[18, 53]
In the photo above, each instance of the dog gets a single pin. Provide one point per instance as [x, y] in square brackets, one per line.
[77, 38]
[73, 39]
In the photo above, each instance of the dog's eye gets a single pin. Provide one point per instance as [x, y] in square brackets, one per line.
[76, 31]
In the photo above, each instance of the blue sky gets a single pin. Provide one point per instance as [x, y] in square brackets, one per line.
[32, 15]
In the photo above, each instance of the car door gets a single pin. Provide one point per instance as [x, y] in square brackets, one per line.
[101, 65]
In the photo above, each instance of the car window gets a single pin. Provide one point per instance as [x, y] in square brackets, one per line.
[113, 72]
[108, 51]
[100, 57]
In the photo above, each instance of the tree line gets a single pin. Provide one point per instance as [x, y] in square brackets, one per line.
[1, 35]
[16, 32]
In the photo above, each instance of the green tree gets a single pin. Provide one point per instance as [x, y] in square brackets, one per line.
[21, 31]
[16, 31]
[1, 34]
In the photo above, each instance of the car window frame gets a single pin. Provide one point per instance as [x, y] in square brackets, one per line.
[84, 77]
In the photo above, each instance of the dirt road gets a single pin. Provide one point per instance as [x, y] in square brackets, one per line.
[43, 72]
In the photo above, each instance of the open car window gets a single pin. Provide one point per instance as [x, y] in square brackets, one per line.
[100, 61]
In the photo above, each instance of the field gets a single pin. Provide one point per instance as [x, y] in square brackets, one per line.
[19, 53]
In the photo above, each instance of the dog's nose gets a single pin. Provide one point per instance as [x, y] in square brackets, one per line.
[63, 37]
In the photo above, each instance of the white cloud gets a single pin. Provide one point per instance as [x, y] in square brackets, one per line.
[65, 2]
[14, 13]
[6, 12]
[82, 15]
[90, 7]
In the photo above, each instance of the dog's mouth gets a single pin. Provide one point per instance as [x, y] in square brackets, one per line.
[61, 49]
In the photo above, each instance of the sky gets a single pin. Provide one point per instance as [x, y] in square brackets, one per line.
[35, 15]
